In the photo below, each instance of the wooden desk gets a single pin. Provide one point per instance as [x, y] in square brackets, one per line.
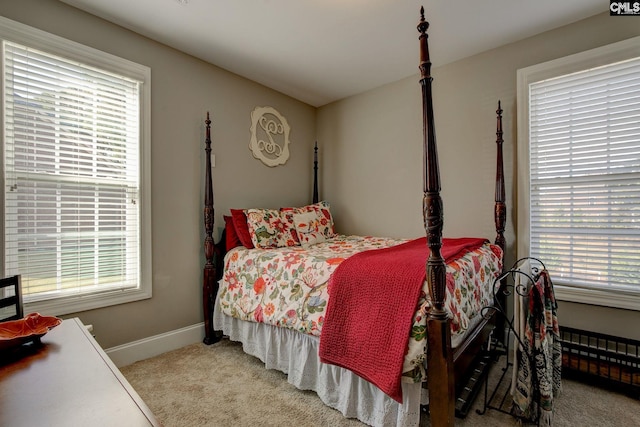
[68, 381]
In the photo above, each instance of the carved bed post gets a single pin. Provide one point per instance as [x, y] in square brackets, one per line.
[500, 207]
[209, 285]
[500, 217]
[315, 173]
[439, 354]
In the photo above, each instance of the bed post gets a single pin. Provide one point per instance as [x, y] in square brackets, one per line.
[500, 207]
[209, 286]
[315, 173]
[439, 354]
[500, 217]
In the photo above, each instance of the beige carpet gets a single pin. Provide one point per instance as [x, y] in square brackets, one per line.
[219, 385]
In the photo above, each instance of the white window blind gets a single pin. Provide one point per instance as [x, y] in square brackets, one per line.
[71, 181]
[584, 176]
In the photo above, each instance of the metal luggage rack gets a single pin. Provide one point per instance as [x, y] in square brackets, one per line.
[500, 398]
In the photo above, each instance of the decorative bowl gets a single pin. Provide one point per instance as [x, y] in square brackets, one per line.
[30, 328]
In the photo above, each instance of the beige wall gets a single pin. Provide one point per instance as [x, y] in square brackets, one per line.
[370, 154]
[183, 89]
[372, 147]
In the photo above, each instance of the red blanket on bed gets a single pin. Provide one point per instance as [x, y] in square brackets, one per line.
[373, 297]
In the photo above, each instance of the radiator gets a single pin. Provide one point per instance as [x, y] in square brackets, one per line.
[601, 359]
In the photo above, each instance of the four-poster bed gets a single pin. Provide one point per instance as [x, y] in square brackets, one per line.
[292, 342]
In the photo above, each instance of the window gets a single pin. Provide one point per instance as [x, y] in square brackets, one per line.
[76, 173]
[579, 180]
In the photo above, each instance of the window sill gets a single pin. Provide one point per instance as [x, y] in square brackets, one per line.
[598, 297]
[74, 304]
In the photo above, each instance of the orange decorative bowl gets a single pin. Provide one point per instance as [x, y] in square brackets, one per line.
[30, 328]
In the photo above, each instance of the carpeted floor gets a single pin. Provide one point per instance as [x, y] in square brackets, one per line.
[219, 385]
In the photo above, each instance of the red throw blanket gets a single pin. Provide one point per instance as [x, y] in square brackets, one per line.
[373, 296]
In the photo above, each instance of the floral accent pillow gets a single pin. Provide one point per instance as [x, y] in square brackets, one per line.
[308, 227]
[269, 229]
[287, 218]
[314, 223]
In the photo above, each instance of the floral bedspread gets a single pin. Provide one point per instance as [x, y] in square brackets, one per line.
[287, 287]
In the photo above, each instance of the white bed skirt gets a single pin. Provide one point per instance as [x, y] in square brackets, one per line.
[296, 355]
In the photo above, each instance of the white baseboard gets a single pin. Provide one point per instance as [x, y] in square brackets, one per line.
[126, 354]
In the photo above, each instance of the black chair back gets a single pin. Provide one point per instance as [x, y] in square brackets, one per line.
[11, 299]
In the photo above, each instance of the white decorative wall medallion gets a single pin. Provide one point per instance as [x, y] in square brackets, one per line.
[269, 136]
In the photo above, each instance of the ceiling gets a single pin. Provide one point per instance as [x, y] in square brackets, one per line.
[319, 51]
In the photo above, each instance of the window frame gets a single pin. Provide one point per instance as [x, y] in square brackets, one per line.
[34, 38]
[597, 57]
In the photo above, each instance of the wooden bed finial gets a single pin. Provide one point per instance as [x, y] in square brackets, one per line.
[425, 61]
[423, 25]
[439, 353]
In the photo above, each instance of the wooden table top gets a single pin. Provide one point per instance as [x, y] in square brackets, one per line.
[67, 381]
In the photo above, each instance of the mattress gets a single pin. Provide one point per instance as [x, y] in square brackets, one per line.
[287, 288]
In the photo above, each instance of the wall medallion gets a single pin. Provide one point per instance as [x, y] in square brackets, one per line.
[269, 136]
